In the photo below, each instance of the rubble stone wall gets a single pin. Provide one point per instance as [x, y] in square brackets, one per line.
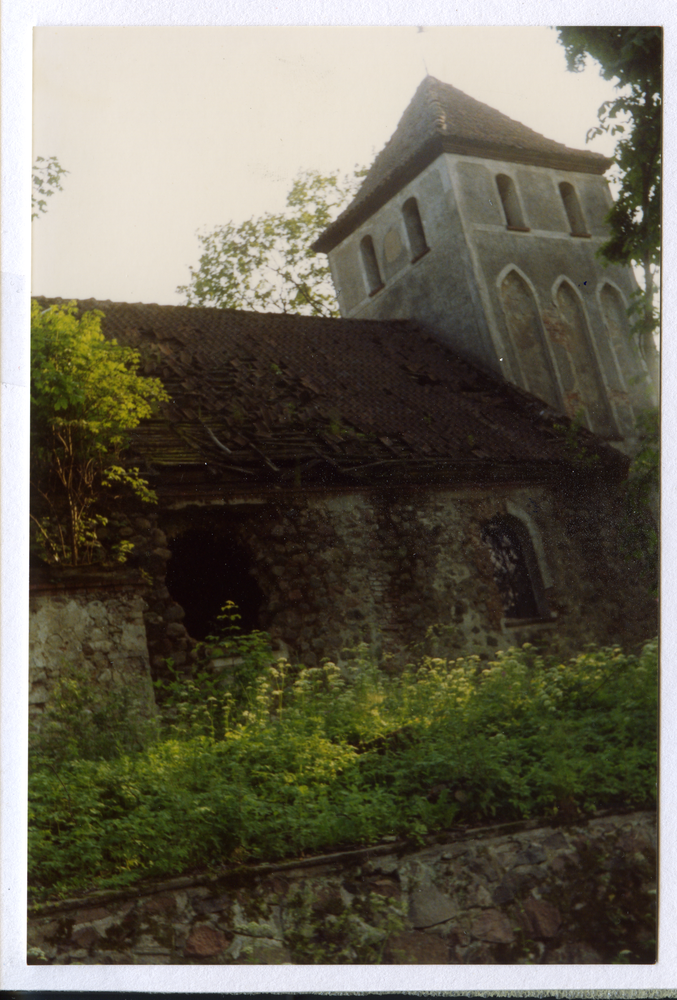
[521, 893]
[98, 634]
[382, 566]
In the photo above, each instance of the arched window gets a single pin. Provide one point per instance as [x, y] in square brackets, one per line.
[523, 321]
[616, 320]
[515, 568]
[415, 232]
[587, 391]
[511, 206]
[371, 268]
[573, 209]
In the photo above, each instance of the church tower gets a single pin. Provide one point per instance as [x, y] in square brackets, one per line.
[486, 233]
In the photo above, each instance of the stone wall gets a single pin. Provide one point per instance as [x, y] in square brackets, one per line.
[116, 626]
[521, 893]
[95, 631]
[382, 566]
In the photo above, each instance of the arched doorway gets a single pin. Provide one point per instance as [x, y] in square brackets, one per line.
[205, 571]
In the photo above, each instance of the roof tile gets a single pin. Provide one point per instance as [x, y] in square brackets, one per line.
[284, 389]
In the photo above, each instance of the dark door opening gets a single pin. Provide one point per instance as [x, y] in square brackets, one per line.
[205, 571]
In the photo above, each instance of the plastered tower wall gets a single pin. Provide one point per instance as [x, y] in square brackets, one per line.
[425, 289]
[531, 302]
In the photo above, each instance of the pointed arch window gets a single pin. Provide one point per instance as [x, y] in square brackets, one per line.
[515, 567]
[371, 268]
[522, 318]
[511, 205]
[418, 244]
[572, 207]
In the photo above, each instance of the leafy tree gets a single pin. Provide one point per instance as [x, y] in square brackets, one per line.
[86, 395]
[633, 57]
[266, 264]
[46, 175]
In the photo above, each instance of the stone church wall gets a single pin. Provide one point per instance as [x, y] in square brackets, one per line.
[333, 570]
[516, 894]
[382, 566]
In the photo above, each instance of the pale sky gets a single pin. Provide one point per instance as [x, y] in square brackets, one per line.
[168, 130]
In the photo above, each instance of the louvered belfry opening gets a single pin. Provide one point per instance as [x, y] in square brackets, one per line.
[511, 570]
[206, 570]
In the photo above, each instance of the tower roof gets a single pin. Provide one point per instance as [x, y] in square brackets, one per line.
[442, 119]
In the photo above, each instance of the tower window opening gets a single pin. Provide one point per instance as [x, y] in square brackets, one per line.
[515, 569]
[511, 205]
[572, 206]
[371, 268]
[415, 232]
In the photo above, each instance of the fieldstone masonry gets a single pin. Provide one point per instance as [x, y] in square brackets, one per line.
[381, 566]
[337, 569]
[518, 893]
[98, 633]
[119, 627]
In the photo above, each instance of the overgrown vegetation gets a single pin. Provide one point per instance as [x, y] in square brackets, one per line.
[86, 396]
[639, 528]
[269, 759]
[267, 264]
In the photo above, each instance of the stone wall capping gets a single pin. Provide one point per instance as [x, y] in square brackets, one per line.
[362, 854]
[591, 900]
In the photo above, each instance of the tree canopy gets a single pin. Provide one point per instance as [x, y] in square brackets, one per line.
[46, 177]
[632, 56]
[267, 264]
[86, 395]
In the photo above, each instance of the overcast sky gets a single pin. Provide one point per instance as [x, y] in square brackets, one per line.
[167, 130]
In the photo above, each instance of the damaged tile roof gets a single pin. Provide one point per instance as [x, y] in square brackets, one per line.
[441, 119]
[263, 397]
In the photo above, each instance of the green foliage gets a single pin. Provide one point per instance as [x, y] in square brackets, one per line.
[229, 664]
[86, 395]
[46, 177]
[633, 56]
[83, 722]
[308, 759]
[639, 528]
[267, 264]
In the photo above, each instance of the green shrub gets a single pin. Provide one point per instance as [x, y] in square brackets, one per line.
[306, 759]
[83, 722]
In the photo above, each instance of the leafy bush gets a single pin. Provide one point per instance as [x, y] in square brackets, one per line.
[82, 722]
[306, 759]
[86, 397]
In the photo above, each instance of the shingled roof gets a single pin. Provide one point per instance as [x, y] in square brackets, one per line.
[442, 119]
[261, 397]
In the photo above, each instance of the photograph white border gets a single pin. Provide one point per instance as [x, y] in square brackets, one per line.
[18, 19]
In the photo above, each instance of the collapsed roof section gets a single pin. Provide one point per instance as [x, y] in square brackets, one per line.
[289, 400]
[441, 119]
